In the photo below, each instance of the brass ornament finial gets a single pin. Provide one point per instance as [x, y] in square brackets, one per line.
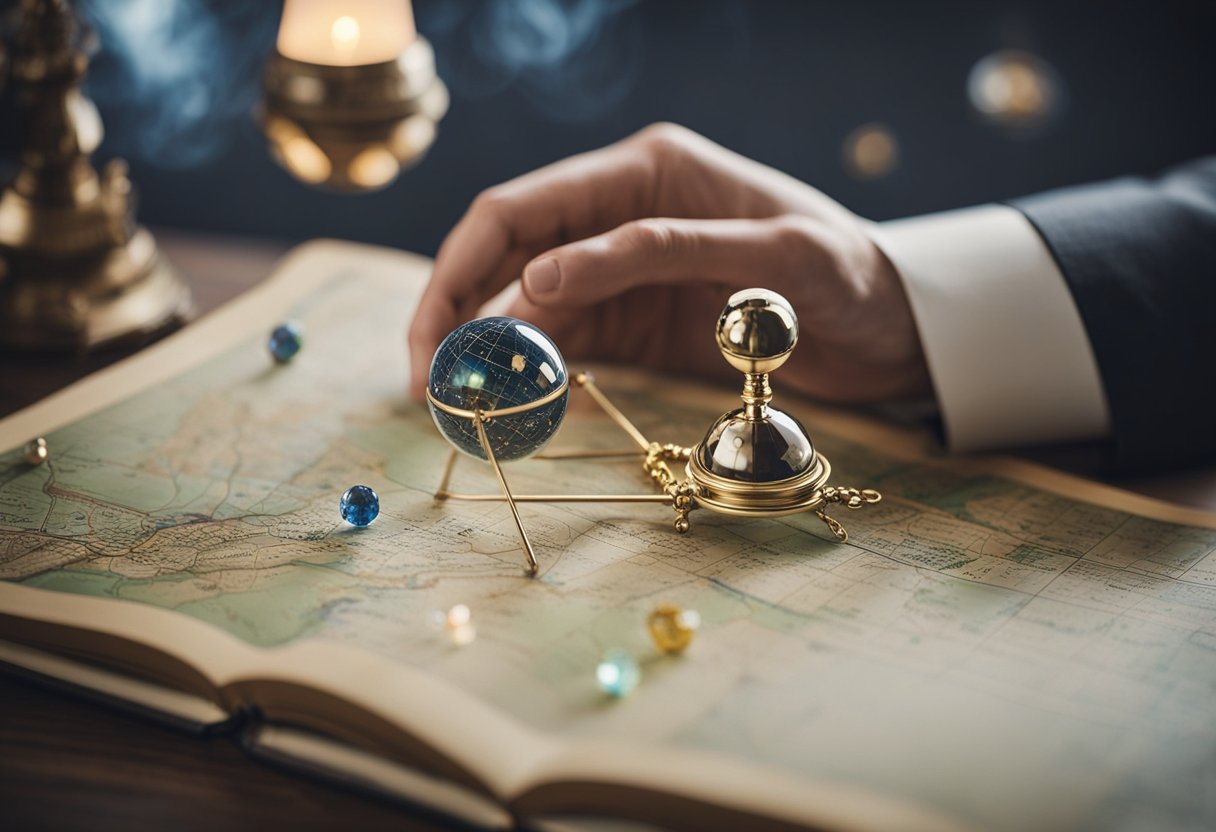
[757, 331]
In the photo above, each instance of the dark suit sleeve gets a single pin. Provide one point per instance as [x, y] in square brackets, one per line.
[1140, 259]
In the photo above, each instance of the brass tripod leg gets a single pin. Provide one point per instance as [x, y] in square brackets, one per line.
[480, 422]
[587, 382]
[442, 493]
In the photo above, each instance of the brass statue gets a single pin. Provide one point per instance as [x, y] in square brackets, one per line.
[76, 271]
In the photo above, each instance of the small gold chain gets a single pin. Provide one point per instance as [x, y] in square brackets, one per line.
[681, 491]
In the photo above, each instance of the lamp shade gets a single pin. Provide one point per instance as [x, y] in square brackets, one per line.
[345, 32]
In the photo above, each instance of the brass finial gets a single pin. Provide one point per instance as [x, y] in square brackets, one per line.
[756, 333]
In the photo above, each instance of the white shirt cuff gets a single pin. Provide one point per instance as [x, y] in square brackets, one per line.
[1006, 349]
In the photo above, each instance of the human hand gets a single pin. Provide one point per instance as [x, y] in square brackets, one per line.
[629, 253]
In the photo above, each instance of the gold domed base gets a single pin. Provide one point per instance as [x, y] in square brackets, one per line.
[759, 499]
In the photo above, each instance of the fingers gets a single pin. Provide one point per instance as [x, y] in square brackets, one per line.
[511, 223]
[582, 195]
[663, 169]
[780, 252]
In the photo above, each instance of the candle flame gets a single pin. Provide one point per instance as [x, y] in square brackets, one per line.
[344, 34]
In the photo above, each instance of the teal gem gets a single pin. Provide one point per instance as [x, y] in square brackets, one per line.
[618, 673]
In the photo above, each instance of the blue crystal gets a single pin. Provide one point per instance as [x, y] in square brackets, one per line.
[359, 505]
[491, 364]
[618, 673]
[285, 342]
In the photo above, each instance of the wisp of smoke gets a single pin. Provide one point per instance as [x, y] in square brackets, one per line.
[174, 78]
[572, 58]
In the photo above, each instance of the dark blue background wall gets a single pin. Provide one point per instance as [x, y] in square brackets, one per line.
[785, 82]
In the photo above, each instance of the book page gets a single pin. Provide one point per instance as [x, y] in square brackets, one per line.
[1009, 648]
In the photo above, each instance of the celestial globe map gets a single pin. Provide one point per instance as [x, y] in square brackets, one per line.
[492, 364]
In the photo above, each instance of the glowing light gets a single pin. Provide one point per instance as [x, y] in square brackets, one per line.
[871, 151]
[306, 160]
[298, 153]
[344, 34]
[362, 32]
[1014, 88]
[373, 167]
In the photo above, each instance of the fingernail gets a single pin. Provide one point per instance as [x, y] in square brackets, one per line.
[543, 275]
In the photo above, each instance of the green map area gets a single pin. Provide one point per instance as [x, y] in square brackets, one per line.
[984, 647]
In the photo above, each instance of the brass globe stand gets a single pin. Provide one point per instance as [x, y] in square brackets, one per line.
[76, 271]
[755, 461]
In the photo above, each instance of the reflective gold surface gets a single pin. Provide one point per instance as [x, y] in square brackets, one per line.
[758, 461]
[352, 128]
[757, 331]
[672, 628]
[76, 271]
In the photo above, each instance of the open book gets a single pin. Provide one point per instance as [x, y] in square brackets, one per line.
[997, 646]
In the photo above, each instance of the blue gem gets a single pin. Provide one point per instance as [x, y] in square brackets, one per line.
[285, 342]
[359, 505]
[618, 673]
[496, 363]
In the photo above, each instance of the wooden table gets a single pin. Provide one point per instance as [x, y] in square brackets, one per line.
[65, 763]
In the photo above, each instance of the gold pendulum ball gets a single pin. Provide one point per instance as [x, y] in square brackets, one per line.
[1015, 89]
[757, 331]
[36, 452]
[673, 628]
[755, 443]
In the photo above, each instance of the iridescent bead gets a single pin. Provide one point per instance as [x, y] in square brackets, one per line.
[672, 628]
[459, 623]
[359, 505]
[285, 342]
[463, 635]
[36, 452]
[618, 673]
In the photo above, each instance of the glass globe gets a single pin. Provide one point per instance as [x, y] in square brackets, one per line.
[496, 363]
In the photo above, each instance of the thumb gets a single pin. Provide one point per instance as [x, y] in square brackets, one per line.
[734, 252]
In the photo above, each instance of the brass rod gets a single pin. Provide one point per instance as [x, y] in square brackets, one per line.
[587, 455]
[548, 398]
[441, 493]
[563, 498]
[588, 383]
[480, 422]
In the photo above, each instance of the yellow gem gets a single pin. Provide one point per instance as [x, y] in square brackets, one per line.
[672, 628]
[36, 452]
